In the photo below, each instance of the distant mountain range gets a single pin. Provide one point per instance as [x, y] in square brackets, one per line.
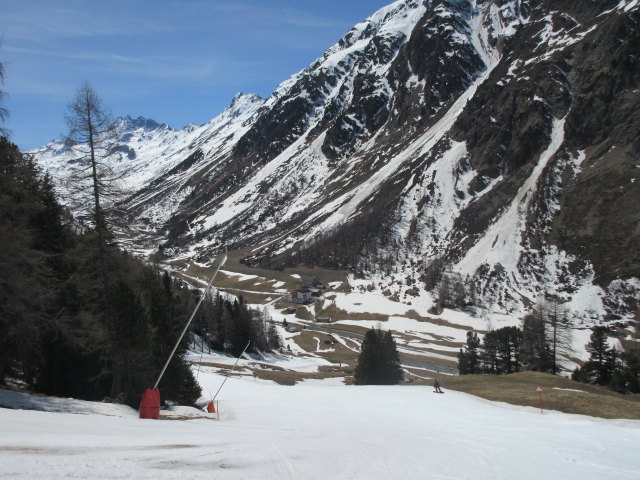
[490, 145]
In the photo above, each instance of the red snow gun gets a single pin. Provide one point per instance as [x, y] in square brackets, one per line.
[150, 403]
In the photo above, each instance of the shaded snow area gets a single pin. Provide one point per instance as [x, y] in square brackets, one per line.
[307, 363]
[317, 431]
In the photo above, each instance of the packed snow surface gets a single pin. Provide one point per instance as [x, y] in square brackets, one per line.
[317, 430]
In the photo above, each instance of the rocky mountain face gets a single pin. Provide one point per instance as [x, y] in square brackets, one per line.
[493, 142]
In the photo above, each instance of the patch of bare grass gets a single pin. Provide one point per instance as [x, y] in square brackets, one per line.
[436, 359]
[336, 313]
[302, 313]
[307, 340]
[253, 284]
[323, 274]
[251, 297]
[436, 321]
[291, 377]
[330, 349]
[281, 305]
[358, 330]
[559, 393]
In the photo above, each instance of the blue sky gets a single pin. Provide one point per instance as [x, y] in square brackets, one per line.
[174, 61]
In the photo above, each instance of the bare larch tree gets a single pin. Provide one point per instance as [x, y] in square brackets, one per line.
[92, 136]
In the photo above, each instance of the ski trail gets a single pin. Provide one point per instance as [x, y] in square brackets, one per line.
[282, 461]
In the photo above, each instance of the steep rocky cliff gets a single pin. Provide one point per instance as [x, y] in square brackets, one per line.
[494, 141]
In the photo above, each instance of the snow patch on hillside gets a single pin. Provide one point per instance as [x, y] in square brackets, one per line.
[502, 242]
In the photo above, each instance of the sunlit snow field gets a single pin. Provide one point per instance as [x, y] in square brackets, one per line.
[315, 430]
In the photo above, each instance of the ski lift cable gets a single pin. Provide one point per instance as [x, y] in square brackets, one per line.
[230, 371]
[224, 259]
[200, 361]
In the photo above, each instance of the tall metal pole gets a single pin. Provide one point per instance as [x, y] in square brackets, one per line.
[224, 259]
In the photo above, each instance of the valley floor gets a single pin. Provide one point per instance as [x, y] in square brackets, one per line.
[314, 430]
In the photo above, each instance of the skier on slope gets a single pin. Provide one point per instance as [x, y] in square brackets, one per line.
[436, 386]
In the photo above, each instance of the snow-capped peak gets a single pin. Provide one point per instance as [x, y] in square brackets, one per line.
[127, 124]
[243, 103]
[431, 124]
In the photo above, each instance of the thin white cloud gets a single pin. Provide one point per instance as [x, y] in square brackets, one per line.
[152, 66]
[244, 14]
[29, 86]
[303, 19]
[77, 55]
[172, 67]
[43, 23]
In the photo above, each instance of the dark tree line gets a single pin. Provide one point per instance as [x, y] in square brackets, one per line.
[469, 355]
[608, 366]
[228, 326]
[61, 335]
[538, 345]
[362, 244]
[58, 335]
[78, 316]
[379, 362]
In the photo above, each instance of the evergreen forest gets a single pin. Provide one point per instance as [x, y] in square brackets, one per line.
[541, 343]
[82, 318]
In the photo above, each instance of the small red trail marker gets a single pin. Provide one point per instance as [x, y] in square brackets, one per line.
[541, 403]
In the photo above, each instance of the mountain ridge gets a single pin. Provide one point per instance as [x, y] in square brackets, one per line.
[484, 138]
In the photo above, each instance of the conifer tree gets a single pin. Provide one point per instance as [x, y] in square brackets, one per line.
[601, 359]
[490, 352]
[619, 370]
[558, 337]
[501, 350]
[468, 357]
[368, 361]
[129, 338]
[463, 362]
[91, 132]
[535, 351]
[4, 113]
[546, 337]
[392, 370]
[275, 343]
[631, 370]
[28, 312]
[631, 359]
[379, 362]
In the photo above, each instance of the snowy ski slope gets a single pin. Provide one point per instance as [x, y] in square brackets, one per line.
[318, 430]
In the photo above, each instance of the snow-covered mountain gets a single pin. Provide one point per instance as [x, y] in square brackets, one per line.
[490, 142]
[146, 150]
